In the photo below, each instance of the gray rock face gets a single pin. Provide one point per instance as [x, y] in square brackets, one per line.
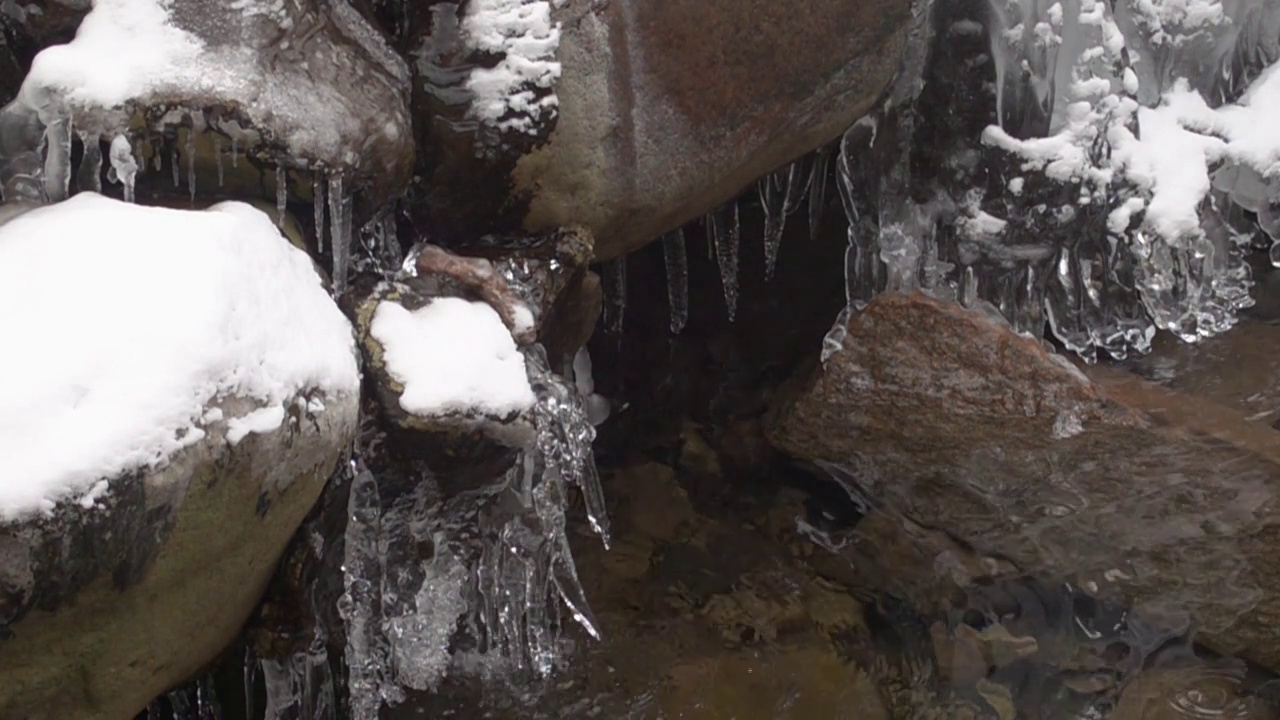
[104, 608]
[1157, 499]
[667, 109]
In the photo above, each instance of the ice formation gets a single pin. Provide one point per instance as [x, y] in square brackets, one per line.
[723, 230]
[130, 329]
[615, 294]
[675, 257]
[488, 598]
[1097, 170]
[518, 93]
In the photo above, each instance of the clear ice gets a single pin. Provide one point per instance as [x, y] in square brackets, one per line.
[675, 256]
[499, 569]
[90, 174]
[339, 231]
[615, 289]
[317, 208]
[723, 230]
[57, 160]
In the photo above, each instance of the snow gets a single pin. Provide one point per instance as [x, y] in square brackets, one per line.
[124, 49]
[124, 322]
[134, 51]
[522, 32]
[262, 420]
[450, 356]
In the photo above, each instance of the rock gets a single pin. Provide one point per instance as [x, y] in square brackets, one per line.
[666, 111]
[102, 609]
[1139, 495]
[302, 85]
[541, 293]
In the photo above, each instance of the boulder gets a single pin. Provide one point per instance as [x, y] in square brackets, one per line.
[104, 608]
[463, 405]
[661, 110]
[303, 85]
[1141, 495]
[173, 403]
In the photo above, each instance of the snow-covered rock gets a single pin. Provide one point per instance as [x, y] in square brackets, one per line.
[302, 83]
[177, 387]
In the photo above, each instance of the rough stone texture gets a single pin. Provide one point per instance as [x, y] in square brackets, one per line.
[668, 108]
[1163, 501]
[103, 609]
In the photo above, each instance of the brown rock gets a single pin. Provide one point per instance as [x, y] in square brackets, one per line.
[667, 109]
[1133, 492]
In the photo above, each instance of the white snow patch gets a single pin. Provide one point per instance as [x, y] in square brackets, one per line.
[522, 32]
[262, 420]
[451, 356]
[124, 49]
[123, 322]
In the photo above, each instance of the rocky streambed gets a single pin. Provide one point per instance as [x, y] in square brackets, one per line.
[531, 358]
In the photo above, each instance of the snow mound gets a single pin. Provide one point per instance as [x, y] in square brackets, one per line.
[122, 322]
[452, 355]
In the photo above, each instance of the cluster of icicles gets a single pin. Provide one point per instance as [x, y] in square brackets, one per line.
[1095, 290]
[36, 155]
[500, 570]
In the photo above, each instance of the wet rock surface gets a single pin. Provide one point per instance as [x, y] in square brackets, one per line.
[106, 607]
[1154, 499]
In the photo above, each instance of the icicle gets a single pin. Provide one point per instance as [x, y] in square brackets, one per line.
[180, 701]
[615, 294]
[191, 163]
[207, 705]
[124, 169]
[57, 159]
[818, 189]
[250, 681]
[723, 229]
[90, 175]
[677, 261]
[217, 154]
[173, 162]
[282, 194]
[317, 207]
[969, 287]
[340, 232]
[235, 152]
[366, 652]
[772, 197]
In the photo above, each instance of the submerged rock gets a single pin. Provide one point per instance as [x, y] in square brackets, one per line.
[658, 111]
[1143, 496]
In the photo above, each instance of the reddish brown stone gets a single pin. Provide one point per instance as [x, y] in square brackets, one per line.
[1160, 499]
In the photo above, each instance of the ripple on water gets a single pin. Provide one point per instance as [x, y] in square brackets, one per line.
[1193, 693]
